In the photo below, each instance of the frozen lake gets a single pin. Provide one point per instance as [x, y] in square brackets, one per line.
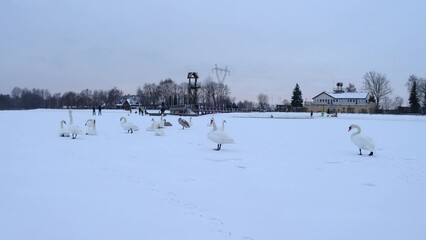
[287, 177]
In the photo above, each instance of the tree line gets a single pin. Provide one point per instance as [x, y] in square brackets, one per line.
[210, 94]
[379, 88]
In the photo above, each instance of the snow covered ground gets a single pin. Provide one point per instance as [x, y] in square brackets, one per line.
[287, 177]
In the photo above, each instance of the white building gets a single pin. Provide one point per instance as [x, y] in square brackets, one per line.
[342, 102]
[340, 99]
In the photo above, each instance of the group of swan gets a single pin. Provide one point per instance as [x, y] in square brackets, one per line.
[361, 141]
[158, 126]
[155, 126]
[219, 136]
[74, 130]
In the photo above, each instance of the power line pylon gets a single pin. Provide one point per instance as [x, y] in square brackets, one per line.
[221, 73]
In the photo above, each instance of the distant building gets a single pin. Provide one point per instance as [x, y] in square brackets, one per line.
[341, 102]
[128, 103]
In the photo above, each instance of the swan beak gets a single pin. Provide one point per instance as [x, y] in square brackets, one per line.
[350, 128]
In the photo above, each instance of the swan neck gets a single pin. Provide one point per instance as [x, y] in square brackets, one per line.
[358, 130]
[214, 125]
[71, 121]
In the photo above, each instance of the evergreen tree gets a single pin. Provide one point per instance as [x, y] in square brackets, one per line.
[296, 99]
[414, 100]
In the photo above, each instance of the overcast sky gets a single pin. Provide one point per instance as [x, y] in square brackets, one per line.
[269, 46]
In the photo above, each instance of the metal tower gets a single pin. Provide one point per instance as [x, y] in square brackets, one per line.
[193, 88]
[221, 73]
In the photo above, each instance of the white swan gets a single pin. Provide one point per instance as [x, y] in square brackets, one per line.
[91, 127]
[219, 136]
[161, 123]
[128, 126]
[74, 129]
[184, 123]
[159, 127]
[63, 132]
[154, 125]
[363, 142]
[159, 131]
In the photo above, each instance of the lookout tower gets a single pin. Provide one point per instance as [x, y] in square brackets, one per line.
[193, 88]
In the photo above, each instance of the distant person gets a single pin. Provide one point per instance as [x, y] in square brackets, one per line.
[94, 111]
[312, 113]
[163, 108]
[100, 110]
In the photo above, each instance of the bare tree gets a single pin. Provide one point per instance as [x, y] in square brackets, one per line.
[210, 92]
[286, 102]
[223, 95]
[182, 93]
[99, 97]
[69, 99]
[377, 85]
[85, 98]
[397, 102]
[386, 103]
[55, 100]
[150, 93]
[351, 88]
[263, 101]
[114, 96]
[245, 105]
[166, 90]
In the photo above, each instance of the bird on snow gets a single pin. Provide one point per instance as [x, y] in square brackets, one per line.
[219, 136]
[128, 126]
[361, 141]
[63, 132]
[184, 123]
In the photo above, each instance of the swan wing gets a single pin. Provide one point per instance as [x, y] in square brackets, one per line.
[220, 137]
[129, 125]
[364, 142]
[184, 123]
[63, 132]
[75, 129]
